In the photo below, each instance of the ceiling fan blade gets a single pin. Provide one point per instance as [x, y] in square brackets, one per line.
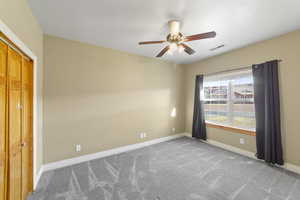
[200, 36]
[163, 52]
[152, 42]
[188, 49]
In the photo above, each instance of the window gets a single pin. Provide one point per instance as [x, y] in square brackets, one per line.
[229, 99]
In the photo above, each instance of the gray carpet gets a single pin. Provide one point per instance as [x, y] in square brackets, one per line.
[181, 169]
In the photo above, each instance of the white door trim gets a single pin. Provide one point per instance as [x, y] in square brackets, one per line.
[14, 38]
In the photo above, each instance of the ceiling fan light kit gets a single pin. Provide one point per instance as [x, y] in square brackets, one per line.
[177, 40]
[173, 47]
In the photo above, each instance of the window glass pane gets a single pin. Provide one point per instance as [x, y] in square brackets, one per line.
[216, 101]
[243, 102]
[216, 112]
[228, 99]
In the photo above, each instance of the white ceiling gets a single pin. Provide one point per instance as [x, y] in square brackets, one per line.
[121, 24]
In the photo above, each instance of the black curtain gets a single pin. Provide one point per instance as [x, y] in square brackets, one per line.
[267, 111]
[199, 128]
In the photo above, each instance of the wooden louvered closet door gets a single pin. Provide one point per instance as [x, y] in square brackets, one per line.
[3, 121]
[14, 64]
[16, 123]
[27, 119]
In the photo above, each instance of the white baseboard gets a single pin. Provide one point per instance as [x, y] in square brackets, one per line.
[88, 157]
[232, 148]
[287, 166]
[38, 176]
[80, 159]
[292, 168]
[226, 147]
[187, 135]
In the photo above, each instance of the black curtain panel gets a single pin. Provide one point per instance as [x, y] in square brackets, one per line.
[199, 128]
[267, 111]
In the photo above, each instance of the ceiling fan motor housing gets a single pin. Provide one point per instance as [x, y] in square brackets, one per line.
[175, 38]
[174, 27]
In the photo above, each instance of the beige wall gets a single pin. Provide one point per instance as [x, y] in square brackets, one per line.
[17, 15]
[286, 48]
[102, 98]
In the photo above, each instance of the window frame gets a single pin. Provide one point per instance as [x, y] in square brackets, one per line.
[210, 124]
[226, 127]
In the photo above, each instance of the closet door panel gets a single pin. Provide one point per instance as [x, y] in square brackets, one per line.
[27, 150]
[14, 124]
[3, 138]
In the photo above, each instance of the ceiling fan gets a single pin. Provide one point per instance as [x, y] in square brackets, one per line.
[177, 40]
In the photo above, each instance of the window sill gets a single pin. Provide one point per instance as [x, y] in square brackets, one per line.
[232, 129]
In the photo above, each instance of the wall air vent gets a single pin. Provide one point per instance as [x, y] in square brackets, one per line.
[218, 47]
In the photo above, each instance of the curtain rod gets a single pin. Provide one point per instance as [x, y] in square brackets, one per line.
[230, 70]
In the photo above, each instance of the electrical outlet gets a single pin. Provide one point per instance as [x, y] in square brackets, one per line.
[242, 141]
[78, 147]
[173, 130]
[143, 135]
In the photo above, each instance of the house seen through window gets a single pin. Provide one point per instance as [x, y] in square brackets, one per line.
[229, 99]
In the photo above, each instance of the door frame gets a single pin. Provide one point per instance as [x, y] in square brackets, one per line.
[37, 104]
